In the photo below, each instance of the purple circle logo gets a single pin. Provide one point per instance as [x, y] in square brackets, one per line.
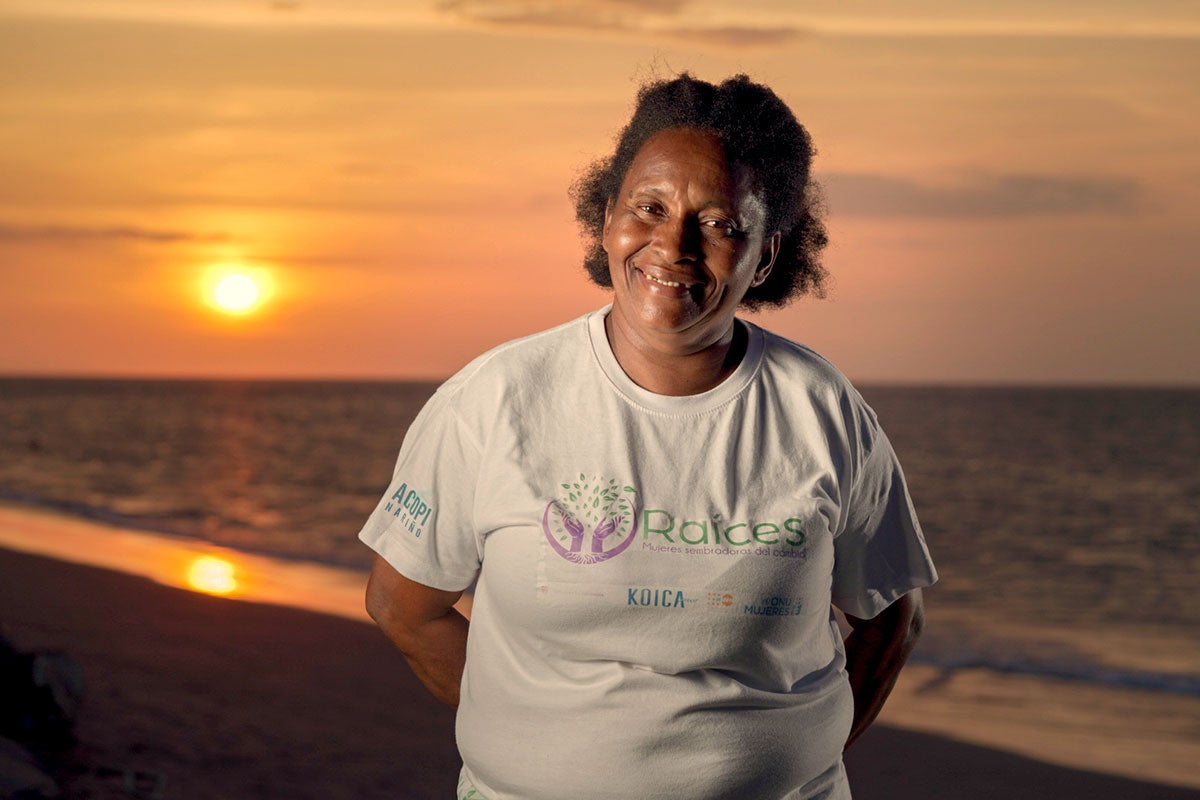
[591, 521]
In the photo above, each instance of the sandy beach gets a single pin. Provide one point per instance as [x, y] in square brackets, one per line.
[228, 699]
[233, 699]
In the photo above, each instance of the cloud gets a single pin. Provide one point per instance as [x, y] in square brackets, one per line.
[868, 195]
[69, 233]
[735, 36]
[563, 12]
[649, 19]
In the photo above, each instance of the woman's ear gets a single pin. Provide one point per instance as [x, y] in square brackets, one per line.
[767, 260]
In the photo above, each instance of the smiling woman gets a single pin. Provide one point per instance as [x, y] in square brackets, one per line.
[662, 417]
[237, 290]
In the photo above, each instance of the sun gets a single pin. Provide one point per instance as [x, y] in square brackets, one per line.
[237, 291]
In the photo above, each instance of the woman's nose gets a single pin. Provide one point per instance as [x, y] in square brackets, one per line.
[678, 239]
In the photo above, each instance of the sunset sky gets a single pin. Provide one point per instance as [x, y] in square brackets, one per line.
[1013, 188]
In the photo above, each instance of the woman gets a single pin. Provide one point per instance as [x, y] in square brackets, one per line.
[661, 502]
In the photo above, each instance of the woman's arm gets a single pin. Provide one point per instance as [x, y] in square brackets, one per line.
[876, 649]
[424, 625]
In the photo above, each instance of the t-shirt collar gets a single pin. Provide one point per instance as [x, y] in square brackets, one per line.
[720, 394]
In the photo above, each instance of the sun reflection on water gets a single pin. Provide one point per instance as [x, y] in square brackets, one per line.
[212, 575]
[188, 564]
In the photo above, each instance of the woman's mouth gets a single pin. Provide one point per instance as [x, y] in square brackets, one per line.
[664, 286]
[660, 282]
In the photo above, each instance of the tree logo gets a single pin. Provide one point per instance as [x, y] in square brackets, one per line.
[592, 520]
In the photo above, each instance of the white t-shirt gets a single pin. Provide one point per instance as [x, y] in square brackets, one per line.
[652, 617]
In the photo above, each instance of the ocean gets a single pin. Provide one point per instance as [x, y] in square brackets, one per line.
[1065, 522]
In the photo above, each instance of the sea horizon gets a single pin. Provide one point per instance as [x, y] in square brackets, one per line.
[351, 378]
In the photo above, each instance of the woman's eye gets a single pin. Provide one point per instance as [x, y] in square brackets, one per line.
[646, 208]
[721, 226]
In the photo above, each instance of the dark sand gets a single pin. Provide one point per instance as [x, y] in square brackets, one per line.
[236, 700]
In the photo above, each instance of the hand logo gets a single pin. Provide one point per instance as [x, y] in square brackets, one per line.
[607, 508]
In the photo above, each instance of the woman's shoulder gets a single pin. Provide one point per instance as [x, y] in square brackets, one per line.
[528, 361]
[787, 359]
[796, 370]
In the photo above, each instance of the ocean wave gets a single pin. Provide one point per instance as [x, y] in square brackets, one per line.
[191, 524]
[174, 522]
[1074, 670]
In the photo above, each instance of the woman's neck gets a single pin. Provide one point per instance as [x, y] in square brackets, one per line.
[669, 372]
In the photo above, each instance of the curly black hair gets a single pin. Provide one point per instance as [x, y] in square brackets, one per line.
[758, 131]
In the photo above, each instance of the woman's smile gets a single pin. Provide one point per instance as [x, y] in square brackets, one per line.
[661, 282]
[665, 284]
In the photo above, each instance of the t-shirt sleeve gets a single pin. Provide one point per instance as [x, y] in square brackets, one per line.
[880, 552]
[423, 526]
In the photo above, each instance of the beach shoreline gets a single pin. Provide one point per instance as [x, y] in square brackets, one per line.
[239, 699]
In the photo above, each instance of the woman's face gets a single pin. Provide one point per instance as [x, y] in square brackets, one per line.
[685, 240]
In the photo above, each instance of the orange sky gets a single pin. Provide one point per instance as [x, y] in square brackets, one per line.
[1013, 189]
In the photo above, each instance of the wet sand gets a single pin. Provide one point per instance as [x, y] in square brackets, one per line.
[231, 699]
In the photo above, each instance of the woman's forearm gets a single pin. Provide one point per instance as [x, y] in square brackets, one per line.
[436, 651]
[425, 626]
[876, 650]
